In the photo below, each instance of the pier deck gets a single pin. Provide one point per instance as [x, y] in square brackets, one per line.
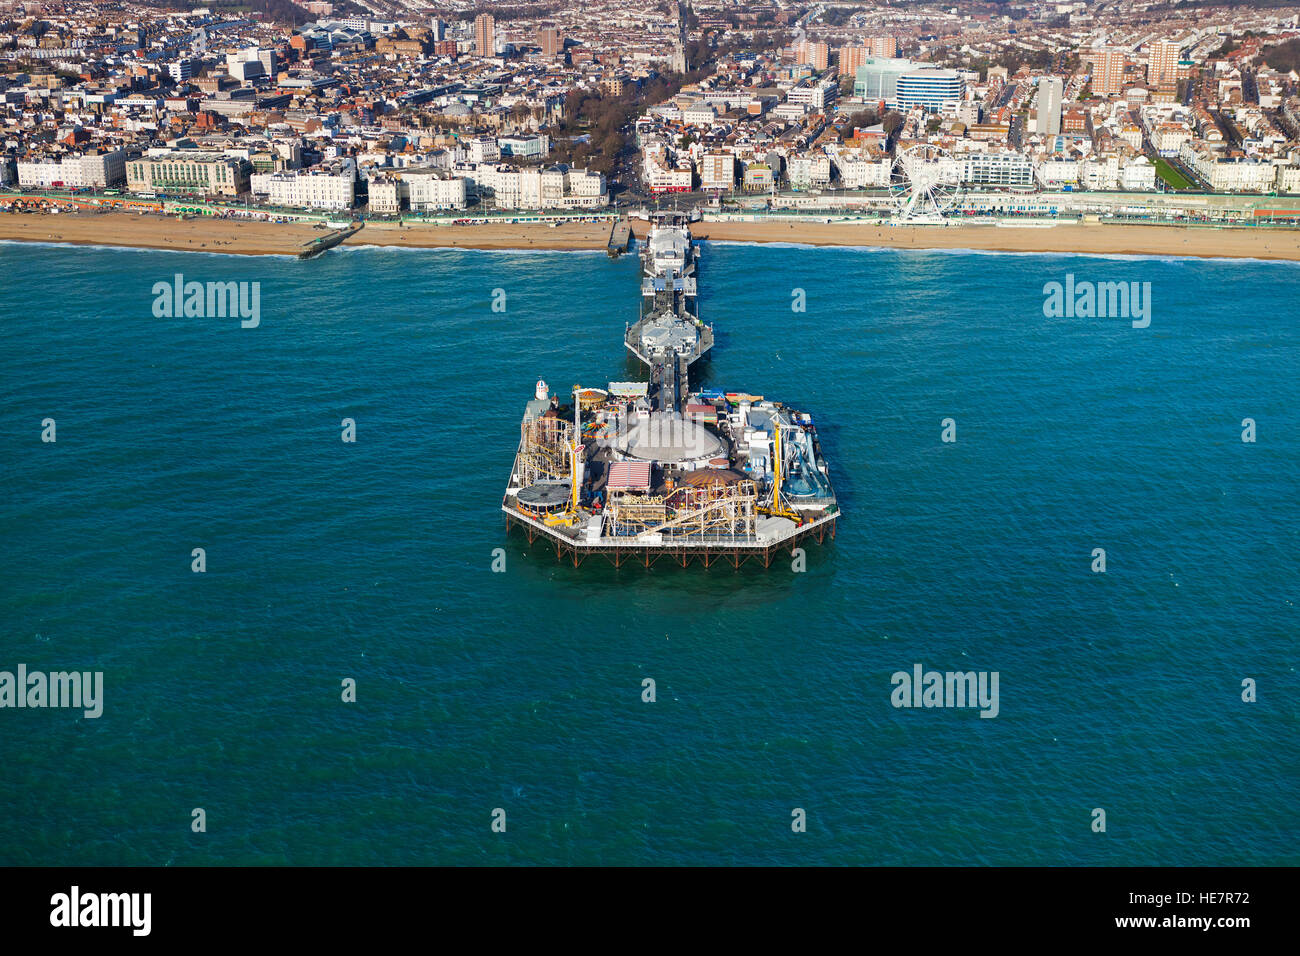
[620, 237]
[328, 241]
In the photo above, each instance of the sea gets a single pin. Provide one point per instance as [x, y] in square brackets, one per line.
[319, 651]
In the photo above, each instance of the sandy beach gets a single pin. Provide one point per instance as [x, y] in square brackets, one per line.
[247, 237]
[251, 237]
[568, 235]
[1096, 238]
[255, 237]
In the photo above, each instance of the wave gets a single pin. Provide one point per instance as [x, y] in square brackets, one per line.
[1117, 256]
[353, 247]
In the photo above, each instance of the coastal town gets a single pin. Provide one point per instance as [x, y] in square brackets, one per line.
[400, 111]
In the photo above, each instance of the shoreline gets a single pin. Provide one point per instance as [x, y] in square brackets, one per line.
[253, 237]
[1084, 239]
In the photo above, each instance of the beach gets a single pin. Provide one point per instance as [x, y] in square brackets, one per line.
[1090, 238]
[246, 237]
[253, 237]
[257, 237]
[566, 235]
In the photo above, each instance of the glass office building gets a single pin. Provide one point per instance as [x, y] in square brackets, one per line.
[876, 80]
[931, 89]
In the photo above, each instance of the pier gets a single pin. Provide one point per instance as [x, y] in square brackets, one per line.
[620, 237]
[639, 471]
[328, 241]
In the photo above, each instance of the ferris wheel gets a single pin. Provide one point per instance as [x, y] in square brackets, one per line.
[923, 182]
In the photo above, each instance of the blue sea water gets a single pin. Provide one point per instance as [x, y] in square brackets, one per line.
[522, 690]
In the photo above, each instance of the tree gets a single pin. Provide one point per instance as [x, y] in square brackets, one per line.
[1284, 57]
[859, 120]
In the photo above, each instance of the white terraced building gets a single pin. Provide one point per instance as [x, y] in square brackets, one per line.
[423, 190]
[385, 196]
[314, 188]
[93, 170]
[859, 173]
[1055, 173]
[430, 191]
[554, 187]
[805, 171]
[1229, 175]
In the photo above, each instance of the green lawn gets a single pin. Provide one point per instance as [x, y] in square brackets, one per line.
[1173, 177]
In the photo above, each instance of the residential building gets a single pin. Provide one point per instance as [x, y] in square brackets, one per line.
[718, 171]
[999, 170]
[812, 53]
[551, 41]
[850, 57]
[485, 43]
[88, 170]
[1047, 120]
[809, 171]
[883, 46]
[1108, 71]
[1162, 63]
[385, 196]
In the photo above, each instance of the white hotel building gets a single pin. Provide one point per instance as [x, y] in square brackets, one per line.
[431, 191]
[536, 187]
[1228, 175]
[423, 190]
[857, 172]
[315, 188]
[94, 170]
[810, 170]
